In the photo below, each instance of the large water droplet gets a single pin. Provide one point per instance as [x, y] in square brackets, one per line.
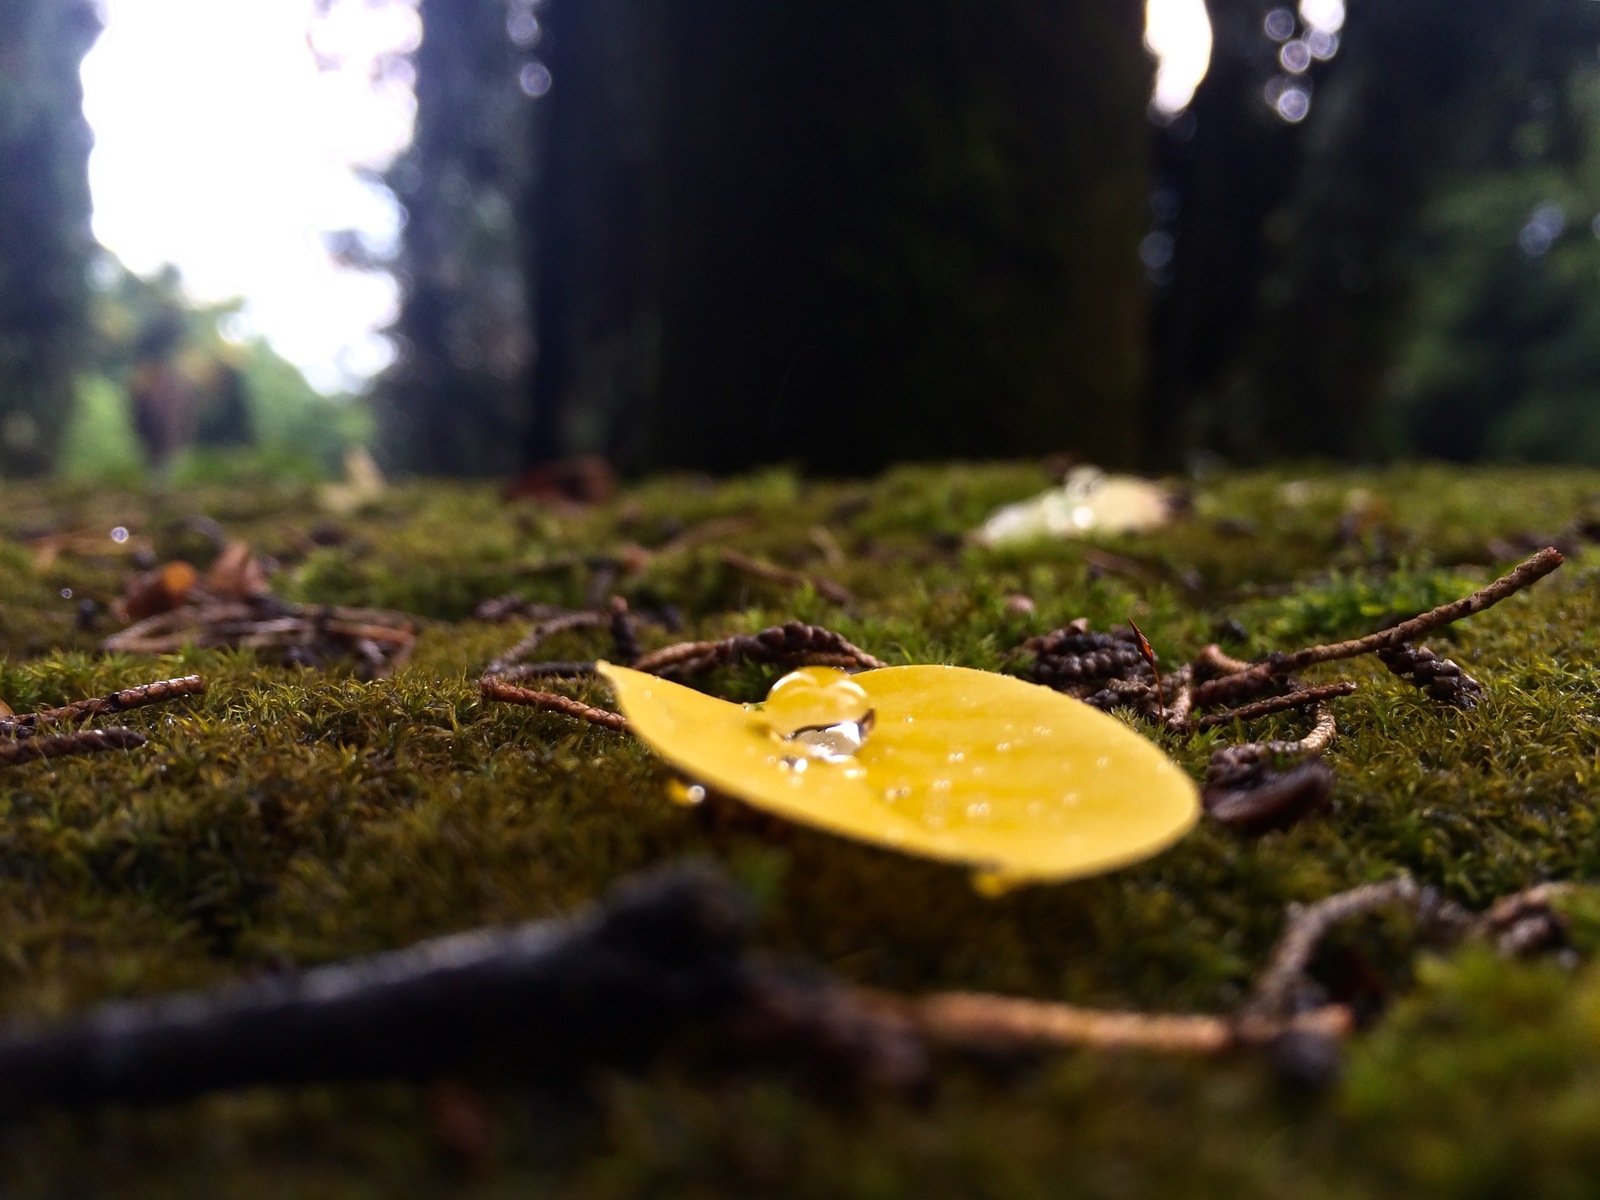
[812, 698]
[819, 710]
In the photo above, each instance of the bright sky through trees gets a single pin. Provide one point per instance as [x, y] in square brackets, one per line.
[1178, 33]
[221, 147]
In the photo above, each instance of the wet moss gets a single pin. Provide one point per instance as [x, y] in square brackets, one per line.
[292, 816]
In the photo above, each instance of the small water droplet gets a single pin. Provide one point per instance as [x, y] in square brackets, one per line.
[687, 794]
[119, 534]
[792, 763]
[1042, 730]
[940, 785]
[1034, 808]
[1002, 746]
[977, 810]
[1070, 799]
[896, 793]
[1103, 762]
[908, 720]
[954, 756]
[66, 593]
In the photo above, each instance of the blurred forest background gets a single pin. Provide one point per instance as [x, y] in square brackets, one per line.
[712, 234]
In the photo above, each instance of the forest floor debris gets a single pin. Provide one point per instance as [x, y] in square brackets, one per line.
[292, 818]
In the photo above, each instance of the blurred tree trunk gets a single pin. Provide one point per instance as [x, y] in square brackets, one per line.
[45, 243]
[841, 234]
[1225, 164]
[455, 401]
[587, 224]
[1293, 272]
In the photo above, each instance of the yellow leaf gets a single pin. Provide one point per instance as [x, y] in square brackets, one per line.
[1022, 783]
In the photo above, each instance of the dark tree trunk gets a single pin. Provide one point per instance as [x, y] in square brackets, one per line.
[586, 229]
[842, 234]
[454, 403]
[45, 243]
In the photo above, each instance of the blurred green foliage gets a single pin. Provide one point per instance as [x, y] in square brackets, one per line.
[1364, 284]
[1500, 355]
[163, 377]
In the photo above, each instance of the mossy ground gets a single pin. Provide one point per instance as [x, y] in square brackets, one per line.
[299, 816]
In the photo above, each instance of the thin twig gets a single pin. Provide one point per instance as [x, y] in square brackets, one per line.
[712, 530]
[1118, 565]
[61, 745]
[1321, 735]
[1273, 704]
[794, 644]
[1529, 572]
[1182, 706]
[544, 629]
[772, 573]
[977, 1022]
[498, 689]
[582, 668]
[1515, 924]
[1308, 925]
[301, 634]
[1215, 660]
[159, 692]
[1245, 792]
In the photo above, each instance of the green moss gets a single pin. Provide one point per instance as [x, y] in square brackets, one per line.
[300, 816]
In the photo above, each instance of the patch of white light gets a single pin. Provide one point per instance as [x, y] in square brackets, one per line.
[222, 148]
[1324, 15]
[1178, 33]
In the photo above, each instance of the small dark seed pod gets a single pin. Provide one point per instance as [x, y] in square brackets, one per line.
[1273, 800]
[625, 641]
[1441, 678]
